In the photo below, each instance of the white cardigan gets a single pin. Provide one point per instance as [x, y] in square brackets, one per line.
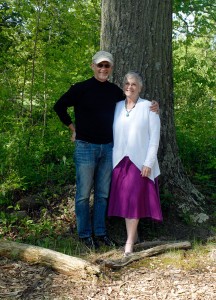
[137, 136]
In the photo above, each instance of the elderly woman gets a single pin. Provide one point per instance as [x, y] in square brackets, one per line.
[134, 190]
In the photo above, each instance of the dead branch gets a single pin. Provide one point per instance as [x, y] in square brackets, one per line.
[119, 263]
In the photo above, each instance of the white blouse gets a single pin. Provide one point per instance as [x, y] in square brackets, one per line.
[137, 136]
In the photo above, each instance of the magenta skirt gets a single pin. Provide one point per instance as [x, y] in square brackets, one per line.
[133, 196]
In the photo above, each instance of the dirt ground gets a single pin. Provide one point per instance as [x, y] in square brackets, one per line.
[183, 274]
[178, 275]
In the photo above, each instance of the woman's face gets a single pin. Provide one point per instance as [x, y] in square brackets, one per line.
[132, 88]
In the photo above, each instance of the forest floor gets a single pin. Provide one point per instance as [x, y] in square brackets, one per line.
[180, 274]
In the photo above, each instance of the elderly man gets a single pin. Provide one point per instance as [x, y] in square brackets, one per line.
[94, 103]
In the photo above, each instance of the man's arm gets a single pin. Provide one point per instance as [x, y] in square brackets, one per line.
[61, 107]
[155, 106]
[73, 130]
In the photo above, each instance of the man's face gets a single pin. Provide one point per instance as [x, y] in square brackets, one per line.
[102, 70]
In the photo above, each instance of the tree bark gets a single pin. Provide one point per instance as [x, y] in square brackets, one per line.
[139, 35]
[59, 262]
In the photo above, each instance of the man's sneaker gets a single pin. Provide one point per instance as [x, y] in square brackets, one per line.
[106, 240]
[90, 243]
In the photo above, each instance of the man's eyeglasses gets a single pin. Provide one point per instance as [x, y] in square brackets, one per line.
[100, 65]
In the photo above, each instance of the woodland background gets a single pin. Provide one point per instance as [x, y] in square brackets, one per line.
[45, 47]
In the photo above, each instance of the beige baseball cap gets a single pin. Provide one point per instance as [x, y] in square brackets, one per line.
[102, 56]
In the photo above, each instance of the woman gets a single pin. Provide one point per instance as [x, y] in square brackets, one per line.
[134, 190]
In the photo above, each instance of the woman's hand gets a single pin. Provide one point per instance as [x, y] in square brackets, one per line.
[146, 171]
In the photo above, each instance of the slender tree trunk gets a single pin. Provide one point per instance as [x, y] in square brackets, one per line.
[23, 87]
[139, 35]
[45, 106]
[34, 58]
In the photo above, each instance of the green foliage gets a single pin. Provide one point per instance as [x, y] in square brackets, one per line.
[29, 161]
[194, 81]
[195, 106]
[194, 18]
[47, 47]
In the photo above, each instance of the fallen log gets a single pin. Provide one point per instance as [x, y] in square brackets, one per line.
[137, 247]
[124, 261]
[59, 262]
[149, 244]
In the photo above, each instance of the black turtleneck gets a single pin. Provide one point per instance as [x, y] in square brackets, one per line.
[94, 104]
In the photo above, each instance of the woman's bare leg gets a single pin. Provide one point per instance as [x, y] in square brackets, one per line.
[132, 235]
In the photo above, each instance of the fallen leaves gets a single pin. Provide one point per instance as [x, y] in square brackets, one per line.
[19, 280]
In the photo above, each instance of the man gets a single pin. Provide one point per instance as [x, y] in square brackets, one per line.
[94, 103]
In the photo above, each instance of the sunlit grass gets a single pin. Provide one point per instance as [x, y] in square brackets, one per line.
[192, 259]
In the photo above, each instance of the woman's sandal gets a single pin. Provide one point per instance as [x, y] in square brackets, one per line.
[128, 253]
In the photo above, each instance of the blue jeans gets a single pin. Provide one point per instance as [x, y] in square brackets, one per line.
[93, 164]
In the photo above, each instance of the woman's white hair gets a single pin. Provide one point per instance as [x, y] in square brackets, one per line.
[135, 75]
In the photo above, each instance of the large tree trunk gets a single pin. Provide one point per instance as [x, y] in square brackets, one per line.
[139, 35]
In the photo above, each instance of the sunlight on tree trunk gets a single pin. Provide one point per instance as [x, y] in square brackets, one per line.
[45, 106]
[23, 88]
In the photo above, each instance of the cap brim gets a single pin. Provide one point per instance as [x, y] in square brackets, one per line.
[97, 61]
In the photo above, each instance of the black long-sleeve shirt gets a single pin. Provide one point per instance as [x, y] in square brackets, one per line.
[94, 105]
